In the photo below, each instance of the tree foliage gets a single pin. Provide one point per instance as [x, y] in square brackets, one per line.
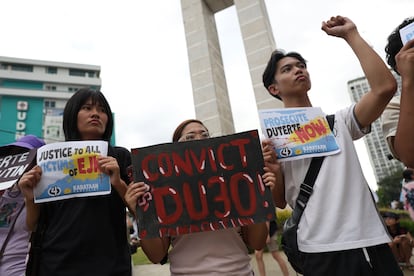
[389, 188]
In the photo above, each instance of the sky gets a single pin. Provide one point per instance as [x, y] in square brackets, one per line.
[141, 49]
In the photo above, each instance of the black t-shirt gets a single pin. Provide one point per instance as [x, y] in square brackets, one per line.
[87, 236]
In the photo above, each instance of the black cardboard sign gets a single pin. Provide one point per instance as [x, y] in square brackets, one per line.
[201, 185]
[14, 161]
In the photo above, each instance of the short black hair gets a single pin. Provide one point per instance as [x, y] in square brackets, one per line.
[408, 174]
[72, 107]
[270, 70]
[394, 44]
[391, 215]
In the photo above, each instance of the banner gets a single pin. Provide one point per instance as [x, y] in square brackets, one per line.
[201, 185]
[14, 161]
[298, 132]
[70, 169]
[407, 33]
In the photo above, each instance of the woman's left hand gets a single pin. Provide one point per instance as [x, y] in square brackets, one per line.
[109, 166]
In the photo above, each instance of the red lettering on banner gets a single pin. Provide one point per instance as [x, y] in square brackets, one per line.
[311, 130]
[222, 197]
[182, 165]
[243, 179]
[204, 226]
[241, 143]
[165, 164]
[150, 176]
[261, 184]
[169, 163]
[144, 201]
[245, 221]
[199, 162]
[159, 195]
[220, 157]
[189, 201]
[319, 127]
[203, 186]
[212, 159]
[93, 165]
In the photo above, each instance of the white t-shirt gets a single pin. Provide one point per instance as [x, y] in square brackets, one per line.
[220, 252]
[341, 213]
[389, 120]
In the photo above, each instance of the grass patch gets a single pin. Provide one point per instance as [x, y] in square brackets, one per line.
[140, 258]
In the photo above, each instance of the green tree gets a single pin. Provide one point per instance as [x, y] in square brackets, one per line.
[389, 188]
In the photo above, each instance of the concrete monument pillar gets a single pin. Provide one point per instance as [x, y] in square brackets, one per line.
[211, 99]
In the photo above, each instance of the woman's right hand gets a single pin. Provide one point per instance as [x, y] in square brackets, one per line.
[28, 181]
[135, 190]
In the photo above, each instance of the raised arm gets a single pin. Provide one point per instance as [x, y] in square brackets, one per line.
[380, 79]
[403, 145]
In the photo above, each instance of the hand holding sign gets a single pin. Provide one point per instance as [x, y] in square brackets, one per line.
[407, 33]
[137, 194]
[298, 132]
[200, 185]
[75, 169]
[29, 181]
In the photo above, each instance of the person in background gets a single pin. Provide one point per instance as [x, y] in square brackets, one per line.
[273, 248]
[220, 252]
[398, 117]
[84, 235]
[334, 240]
[14, 233]
[407, 191]
[396, 205]
[402, 242]
[132, 233]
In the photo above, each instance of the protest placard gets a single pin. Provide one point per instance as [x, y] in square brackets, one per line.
[201, 185]
[14, 161]
[407, 33]
[70, 169]
[298, 132]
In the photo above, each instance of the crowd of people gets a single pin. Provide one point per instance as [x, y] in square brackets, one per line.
[95, 235]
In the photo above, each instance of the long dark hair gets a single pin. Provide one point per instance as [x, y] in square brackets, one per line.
[74, 104]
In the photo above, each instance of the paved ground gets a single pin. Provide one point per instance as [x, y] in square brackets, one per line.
[272, 268]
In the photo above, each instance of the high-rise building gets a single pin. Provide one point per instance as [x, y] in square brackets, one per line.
[33, 94]
[378, 152]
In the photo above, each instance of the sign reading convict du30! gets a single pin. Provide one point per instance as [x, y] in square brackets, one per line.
[201, 185]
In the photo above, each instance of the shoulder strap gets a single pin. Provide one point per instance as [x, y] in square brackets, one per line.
[306, 188]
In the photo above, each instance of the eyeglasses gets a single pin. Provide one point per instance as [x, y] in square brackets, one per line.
[193, 136]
